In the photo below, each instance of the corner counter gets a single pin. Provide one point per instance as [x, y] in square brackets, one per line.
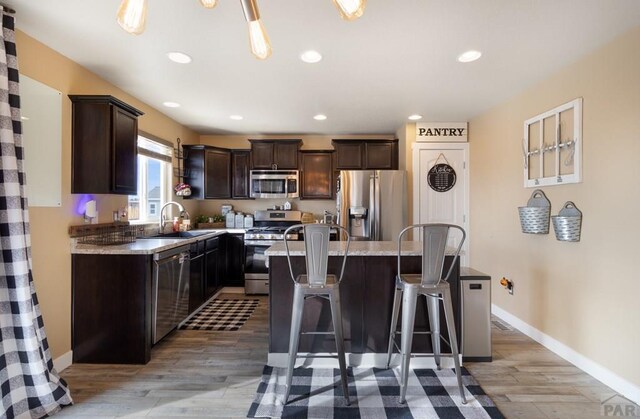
[367, 291]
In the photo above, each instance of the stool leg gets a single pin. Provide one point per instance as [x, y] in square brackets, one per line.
[433, 311]
[409, 299]
[336, 316]
[294, 336]
[397, 297]
[451, 327]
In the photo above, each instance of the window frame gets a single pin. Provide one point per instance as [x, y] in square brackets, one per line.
[164, 155]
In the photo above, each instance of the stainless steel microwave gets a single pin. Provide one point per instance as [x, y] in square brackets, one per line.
[280, 184]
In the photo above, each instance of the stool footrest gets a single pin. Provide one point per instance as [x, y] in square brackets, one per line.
[318, 333]
[316, 356]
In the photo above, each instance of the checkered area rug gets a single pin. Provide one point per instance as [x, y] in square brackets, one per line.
[222, 315]
[317, 393]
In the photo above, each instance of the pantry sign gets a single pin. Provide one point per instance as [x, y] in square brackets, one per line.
[441, 132]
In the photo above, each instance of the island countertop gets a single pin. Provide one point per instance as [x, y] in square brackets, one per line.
[356, 248]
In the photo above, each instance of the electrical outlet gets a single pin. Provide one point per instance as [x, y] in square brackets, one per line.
[507, 284]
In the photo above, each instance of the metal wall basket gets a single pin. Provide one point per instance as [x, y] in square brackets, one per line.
[534, 218]
[568, 223]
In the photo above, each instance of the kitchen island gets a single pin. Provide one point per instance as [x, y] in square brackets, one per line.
[367, 300]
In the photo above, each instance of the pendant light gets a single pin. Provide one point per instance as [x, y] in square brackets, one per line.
[260, 45]
[209, 4]
[350, 9]
[132, 16]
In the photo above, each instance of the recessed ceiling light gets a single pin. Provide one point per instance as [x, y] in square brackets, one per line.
[320, 117]
[171, 104]
[24, 118]
[179, 57]
[467, 57]
[311, 56]
[237, 117]
[415, 117]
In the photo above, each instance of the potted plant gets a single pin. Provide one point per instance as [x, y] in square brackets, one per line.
[209, 221]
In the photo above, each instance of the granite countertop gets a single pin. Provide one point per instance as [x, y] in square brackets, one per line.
[144, 246]
[356, 248]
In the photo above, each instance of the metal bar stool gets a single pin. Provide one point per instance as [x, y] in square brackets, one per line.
[316, 283]
[435, 288]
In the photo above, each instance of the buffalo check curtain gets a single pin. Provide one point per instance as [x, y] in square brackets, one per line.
[31, 388]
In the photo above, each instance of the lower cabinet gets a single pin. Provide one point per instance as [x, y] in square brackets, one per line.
[196, 279]
[111, 315]
[211, 266]
[235, 257]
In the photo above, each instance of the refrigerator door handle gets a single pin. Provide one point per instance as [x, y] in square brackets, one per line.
[373, 209]
[377, 203]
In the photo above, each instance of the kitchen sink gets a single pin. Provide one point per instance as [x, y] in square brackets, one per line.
[178, 235]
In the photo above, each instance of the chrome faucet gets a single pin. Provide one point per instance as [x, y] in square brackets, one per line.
[163, 220]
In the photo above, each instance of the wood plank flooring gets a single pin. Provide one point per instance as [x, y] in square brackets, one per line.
[199, 374]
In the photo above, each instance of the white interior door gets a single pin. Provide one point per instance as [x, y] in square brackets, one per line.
[452, 206]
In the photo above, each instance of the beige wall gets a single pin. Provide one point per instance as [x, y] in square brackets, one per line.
[50, 241]
[586, 294]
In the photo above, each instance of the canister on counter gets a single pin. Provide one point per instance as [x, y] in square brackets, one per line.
[230, 220]
[248, 221]
[239, 220]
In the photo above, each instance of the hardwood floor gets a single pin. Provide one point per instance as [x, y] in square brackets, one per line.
[215, 374]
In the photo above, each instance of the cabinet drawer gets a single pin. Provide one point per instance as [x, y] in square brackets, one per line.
[212, 243]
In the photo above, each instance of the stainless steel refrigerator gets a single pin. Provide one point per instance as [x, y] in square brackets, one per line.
[372, 204]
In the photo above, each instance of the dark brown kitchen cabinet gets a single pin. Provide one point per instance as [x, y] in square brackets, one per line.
[349, 155]
[276, 154]
[235, 260]
[209, 171]
[366, 154]
[104, 145]
[111, 308]
[316, 174]
[240, 164]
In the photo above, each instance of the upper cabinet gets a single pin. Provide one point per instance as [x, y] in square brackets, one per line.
[316, 174]
[366, 154]
[104, 145]
[240, 164]
[209, 171]
[275, 154]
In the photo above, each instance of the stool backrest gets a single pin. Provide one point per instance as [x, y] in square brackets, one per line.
[316, 246]
[434, 245]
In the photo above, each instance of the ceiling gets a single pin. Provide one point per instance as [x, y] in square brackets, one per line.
[398, 59]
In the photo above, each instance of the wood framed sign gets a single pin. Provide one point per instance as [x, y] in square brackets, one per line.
[552, 146]
[441, 132]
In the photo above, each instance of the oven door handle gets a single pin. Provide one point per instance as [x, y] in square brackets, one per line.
[261, 243]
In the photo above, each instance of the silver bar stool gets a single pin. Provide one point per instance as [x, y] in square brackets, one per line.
[316, 283]
[435, 288]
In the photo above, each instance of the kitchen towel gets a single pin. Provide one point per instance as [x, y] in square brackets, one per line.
[317, 393]
[222, 315]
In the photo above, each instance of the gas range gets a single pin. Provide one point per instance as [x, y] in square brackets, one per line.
[269, 228]
[268, 233]
[270, 225]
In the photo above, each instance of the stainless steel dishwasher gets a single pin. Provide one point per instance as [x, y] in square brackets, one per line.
[170, 290]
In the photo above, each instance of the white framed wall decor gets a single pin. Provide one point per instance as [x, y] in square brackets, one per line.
[552, 146]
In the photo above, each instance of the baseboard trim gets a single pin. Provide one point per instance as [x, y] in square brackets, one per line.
[599, 372]
[366, 360]
[63, 361]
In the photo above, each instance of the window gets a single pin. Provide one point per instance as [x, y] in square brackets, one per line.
[154, 180]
